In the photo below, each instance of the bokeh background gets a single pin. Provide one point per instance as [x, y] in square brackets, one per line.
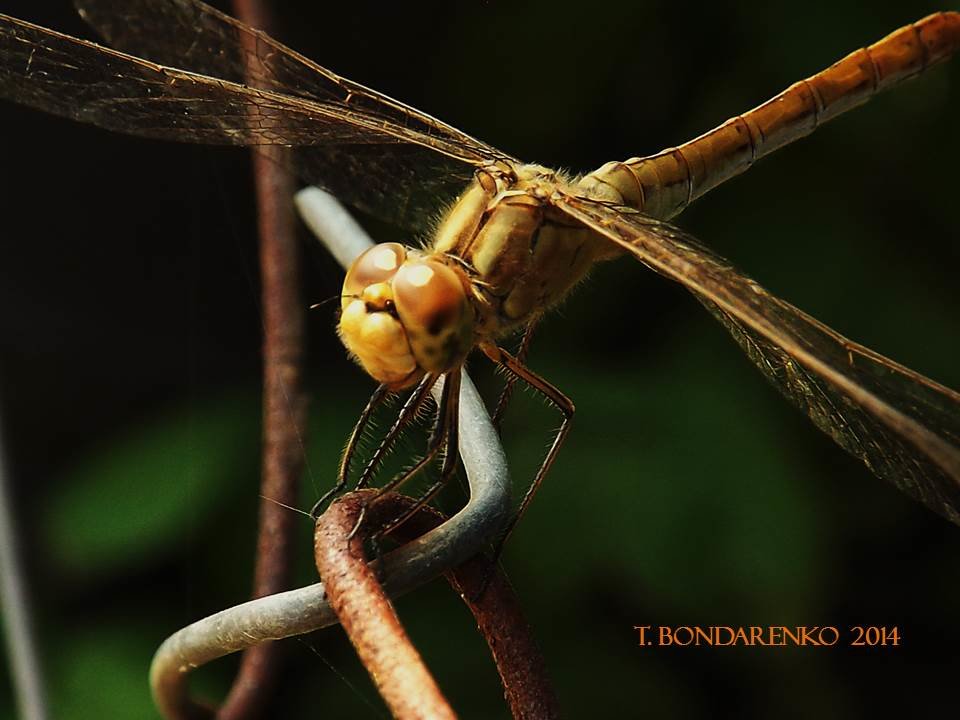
[689, 493]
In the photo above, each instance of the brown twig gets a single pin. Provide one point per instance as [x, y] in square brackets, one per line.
[367, 614]
[488, 594]
[384, 648]
[491, 599]
[284, 403]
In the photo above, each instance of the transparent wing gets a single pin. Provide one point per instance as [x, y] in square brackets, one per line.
[412, 161]
[902, 425]
[191, 35]
[405, 184]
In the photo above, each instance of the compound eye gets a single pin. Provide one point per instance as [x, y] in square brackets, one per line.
[430, 298]
[376, 265]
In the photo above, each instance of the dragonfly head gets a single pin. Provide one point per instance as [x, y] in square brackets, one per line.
[405, 314]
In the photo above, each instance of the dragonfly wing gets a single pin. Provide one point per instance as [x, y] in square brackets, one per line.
[191, 35]
[902, 425]
[89, 83]
[405, 184]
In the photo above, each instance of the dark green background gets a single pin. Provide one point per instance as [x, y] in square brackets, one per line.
[689, 491]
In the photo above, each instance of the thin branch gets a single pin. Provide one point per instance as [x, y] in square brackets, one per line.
[495, 606]
[481, 585]
[366, 613]
[28, 682]
[284, 403]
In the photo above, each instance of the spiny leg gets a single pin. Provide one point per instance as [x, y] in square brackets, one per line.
[559, 401]
[407, 413]
[347, 458]
[447, 426]
[448, 430]
[521, 358]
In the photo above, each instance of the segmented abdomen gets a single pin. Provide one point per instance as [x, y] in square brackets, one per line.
[662, 185]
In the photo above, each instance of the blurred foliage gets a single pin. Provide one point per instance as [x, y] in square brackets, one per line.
[688, 493]
[178, 466]
[100, 673]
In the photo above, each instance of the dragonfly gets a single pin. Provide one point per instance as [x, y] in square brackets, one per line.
[515, 237]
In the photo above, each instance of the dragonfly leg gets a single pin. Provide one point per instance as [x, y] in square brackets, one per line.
[347, 458]
[446, 435]
[559, 401]
[407, 413]
[511, 381]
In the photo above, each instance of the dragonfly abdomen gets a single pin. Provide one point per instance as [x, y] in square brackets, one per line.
[662, 185]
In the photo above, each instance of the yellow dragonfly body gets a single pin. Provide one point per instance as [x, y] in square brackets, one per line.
[515, 237]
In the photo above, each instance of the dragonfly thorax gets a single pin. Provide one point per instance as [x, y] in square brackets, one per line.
[520, 255]
[405, 313]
